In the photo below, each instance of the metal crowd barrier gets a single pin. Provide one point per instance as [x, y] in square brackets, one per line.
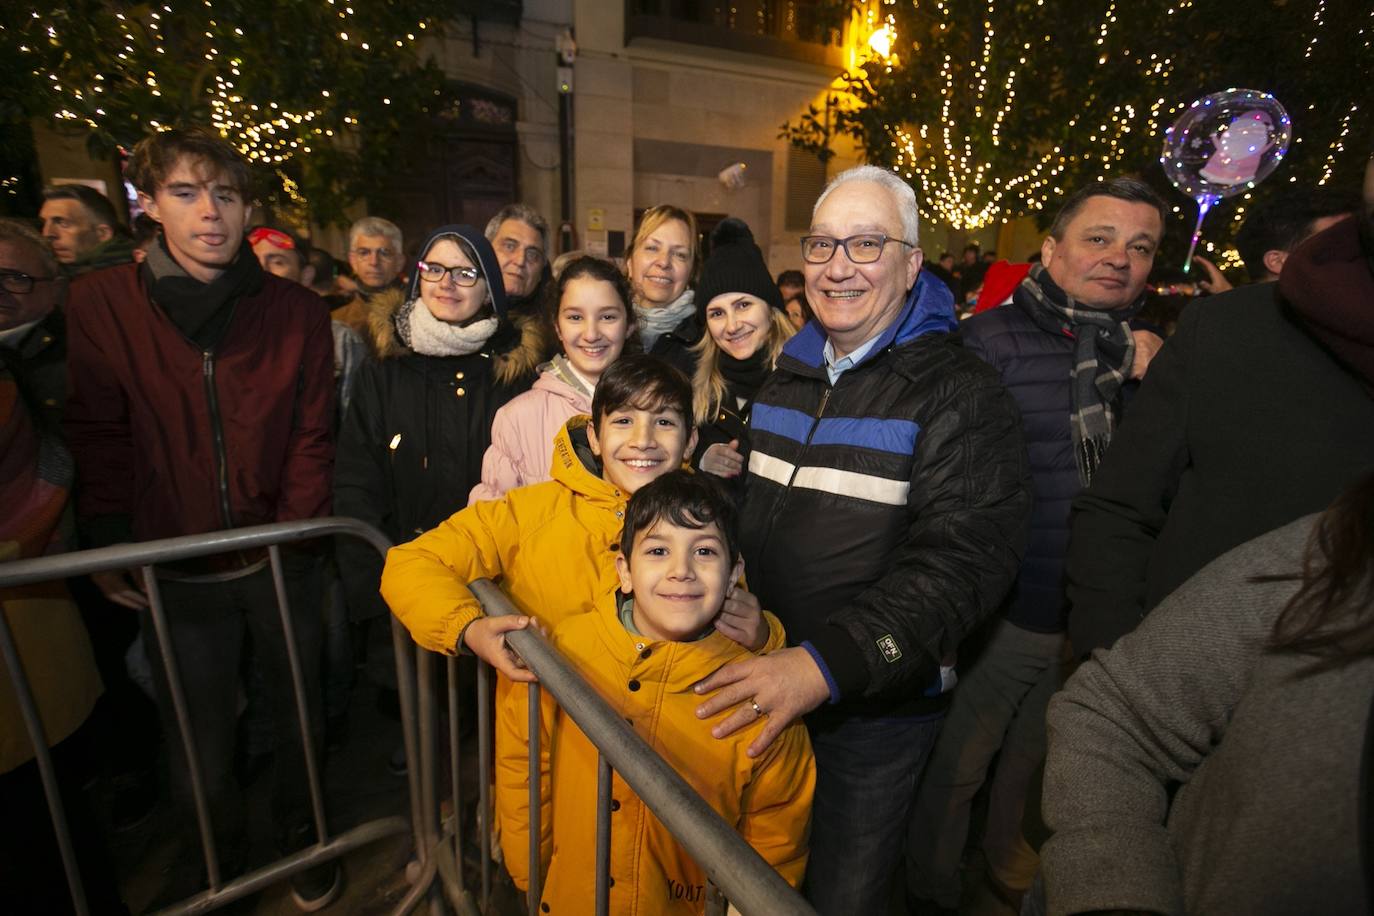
[731, 864]
[436, 874]
[146, 556]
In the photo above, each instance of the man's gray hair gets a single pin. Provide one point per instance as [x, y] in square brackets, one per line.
[527, 215]
[19, 233]
[902, 195]
[376, 226]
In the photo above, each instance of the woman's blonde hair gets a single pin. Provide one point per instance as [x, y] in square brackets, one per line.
[653, 218]
[708, 385]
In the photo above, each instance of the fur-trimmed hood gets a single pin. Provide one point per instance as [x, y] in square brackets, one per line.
[516, 351]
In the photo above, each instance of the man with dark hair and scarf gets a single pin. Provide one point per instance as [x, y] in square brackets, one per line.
[1064, 348]
[1256, 412]
[202, 397]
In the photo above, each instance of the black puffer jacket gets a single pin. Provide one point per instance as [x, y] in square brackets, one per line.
[675, 347]
[412, 444]
[727, 425]
[885, 516]
[1036, 366]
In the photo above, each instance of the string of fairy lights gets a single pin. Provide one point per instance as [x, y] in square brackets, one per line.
[957, 185]
[264, 130]
[964, 191]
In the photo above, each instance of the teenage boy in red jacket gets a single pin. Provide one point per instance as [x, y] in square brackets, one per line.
[201, 399]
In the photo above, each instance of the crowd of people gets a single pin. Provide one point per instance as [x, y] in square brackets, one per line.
[851, 547]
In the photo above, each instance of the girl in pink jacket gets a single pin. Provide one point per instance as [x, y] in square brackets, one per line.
[593, 320]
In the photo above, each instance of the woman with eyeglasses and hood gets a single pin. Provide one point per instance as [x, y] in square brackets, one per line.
[445, 359]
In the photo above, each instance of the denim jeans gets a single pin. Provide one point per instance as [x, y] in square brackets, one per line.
[998, 710]
[866, 774]
[207, 622]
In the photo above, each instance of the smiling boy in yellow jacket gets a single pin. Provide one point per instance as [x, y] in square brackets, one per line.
[643, 649]
[551, 546]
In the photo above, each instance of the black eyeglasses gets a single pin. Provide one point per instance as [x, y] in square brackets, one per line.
[20, 283]
[861, 249]
[434, 273]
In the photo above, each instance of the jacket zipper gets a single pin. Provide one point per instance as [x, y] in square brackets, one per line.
[217, 427]
[815, 421]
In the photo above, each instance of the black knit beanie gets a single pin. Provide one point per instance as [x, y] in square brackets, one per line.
[735, 265]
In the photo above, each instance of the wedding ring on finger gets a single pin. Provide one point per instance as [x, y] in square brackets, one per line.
[757, 711]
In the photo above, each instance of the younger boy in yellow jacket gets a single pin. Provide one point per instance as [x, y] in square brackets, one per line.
[552, 545]
[643, 649]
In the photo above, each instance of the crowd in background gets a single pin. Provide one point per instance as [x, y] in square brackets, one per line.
[1073, 536]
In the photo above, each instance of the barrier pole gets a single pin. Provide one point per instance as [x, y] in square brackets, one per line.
[172, 671]
[293, 659]
[603, 835]
[455, 775]
[484, 773]
[536, 890]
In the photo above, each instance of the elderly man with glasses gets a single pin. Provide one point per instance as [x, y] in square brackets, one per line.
[879, 429]
[375, 254]
[32, 333]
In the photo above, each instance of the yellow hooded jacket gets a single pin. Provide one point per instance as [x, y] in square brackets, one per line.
[649, 683]
[551, 547]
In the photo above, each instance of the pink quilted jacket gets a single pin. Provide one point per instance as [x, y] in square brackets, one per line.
[522, 436]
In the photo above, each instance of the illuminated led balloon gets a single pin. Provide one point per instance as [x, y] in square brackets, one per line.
[1225, 144]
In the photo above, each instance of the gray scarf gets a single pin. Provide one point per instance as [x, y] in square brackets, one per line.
[653, 323]
[428, 336]
[1103, 351]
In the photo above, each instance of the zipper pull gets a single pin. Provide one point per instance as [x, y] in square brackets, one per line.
[395, 443]
[825, 399]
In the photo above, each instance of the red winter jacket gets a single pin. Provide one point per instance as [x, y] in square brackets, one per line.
[184, 441]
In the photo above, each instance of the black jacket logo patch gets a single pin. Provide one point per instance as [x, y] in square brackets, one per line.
[888, 646]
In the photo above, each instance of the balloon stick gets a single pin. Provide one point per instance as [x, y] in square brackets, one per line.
[1204, 203]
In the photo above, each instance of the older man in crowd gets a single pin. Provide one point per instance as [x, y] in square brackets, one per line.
[32, 333]
[376, 257]
[83, 229]
[46, 629]
[881, 431]
[376, 254]
[521, 239]
[1065, 350]
[33, 352]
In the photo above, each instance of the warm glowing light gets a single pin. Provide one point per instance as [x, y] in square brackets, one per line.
[881, 41]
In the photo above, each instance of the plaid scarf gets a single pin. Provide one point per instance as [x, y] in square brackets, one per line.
[1103, 351]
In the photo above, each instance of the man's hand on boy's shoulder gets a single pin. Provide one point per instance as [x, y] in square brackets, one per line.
[781, 686]
[741, 619]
